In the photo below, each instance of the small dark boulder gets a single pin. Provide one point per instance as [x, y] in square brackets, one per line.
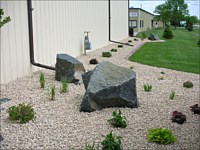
[1, 138]
[107, 86]
[94, 61]
[153, 37]
[68, 68]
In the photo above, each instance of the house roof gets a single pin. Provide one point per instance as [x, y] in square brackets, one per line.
[142, 10]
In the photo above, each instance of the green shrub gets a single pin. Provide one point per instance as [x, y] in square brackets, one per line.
[129, 41]
[147, 87]
[144, 35]
[91, 147]
[189, 25]
[172, 95]
[113, 50]
[162, 72]
[198, 43]
[52, 92]
[3, 20]
[120, 46]
[131, 67]
[111, 142]
[64, 86]
[118, 120]
[188, 84]
[42, 80]
[21, 113]
[168, 33]
[106, 54]
[161, 136]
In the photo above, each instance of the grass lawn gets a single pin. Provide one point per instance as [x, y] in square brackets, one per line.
[180, 53]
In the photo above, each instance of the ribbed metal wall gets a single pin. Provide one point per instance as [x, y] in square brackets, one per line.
[58, 27]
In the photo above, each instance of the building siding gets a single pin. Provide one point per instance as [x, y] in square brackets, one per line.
[58, 27]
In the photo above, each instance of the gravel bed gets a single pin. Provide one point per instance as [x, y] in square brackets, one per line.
[60, 125]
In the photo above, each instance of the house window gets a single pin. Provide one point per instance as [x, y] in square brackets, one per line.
[141, 23]
[133, 23]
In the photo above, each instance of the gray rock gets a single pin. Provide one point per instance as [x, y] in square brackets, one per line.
[68, 68]
[109, 85]
[153, 37]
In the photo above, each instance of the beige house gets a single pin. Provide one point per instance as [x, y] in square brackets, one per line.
[141, 20]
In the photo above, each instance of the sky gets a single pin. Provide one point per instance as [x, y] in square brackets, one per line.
[149, 5]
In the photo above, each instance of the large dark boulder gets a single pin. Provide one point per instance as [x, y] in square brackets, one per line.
[68, 68]
[153, 37]
[109, 85]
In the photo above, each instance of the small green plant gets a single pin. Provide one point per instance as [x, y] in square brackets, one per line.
[42, 80]
[120, 46]
[168, 33]
[147, 87]
[106, 54]
[161, 136]
[118, 120]
[52, 92]
[162, 72]
[91, 147]
[172, 95]
[113, 50]
[64, 86]
[111, 142]
[131, 67]
[188, 84]
[129, 41]
[3, 20]
[22, 113]
[161, 78]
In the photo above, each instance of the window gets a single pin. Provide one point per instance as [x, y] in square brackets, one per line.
[133, 23]
[141, 23]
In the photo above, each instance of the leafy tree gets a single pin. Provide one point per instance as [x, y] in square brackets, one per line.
[164, 13]
[178, 11]
[193, 19]
[173, 11]
[3, 20]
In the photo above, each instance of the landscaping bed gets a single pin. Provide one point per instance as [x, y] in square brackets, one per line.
[60, 125]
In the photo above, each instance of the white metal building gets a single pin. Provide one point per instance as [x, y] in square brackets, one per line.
[58, 27]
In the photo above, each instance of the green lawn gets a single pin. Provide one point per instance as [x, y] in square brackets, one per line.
[180, 53]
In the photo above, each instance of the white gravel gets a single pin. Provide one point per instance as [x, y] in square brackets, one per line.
[60, 125]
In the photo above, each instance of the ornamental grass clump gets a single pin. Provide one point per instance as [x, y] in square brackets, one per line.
[106, 54]
[52, 92]
[42, 80]
[147, 87]
[178, 117]
[188, 84]
[111, 142]
[118, 120]
[22, 113]
[172, 95]
[161, 136]
[113, 50]
[64, 86]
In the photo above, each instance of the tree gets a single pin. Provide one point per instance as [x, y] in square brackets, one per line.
[3, 20]
[189, 23]
[173, 11]
[164, 13]
[178, 11]
[193, 19]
